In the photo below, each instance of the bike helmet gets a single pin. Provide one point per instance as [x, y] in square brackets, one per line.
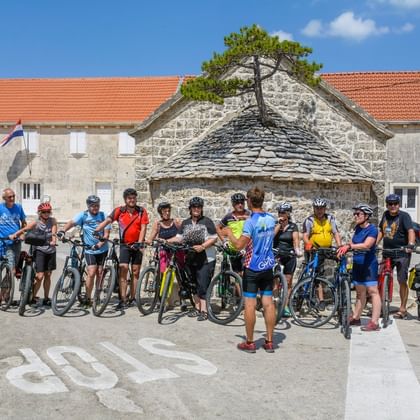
[365, 208]
[319, 202]
[129, 191]
[284, 207]
[392, 198]
[237, 198]
[196, 202]
[44, 207]
[92, 199]
[163, 205]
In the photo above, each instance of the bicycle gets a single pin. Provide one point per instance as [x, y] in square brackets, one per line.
[148, 286]
[224, 297]
[313, 300]
[7, 280]
[186, 285]
[414, 282]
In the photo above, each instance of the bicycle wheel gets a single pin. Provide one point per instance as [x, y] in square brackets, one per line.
[147, 292]
[224, 297]
[306, 307]
[385, 301]
[104, 290]
[65, 291]
[279, 294]
[168, 277]
[345, 308]
[418, 305]
[7, 287]
[82, 295]
[27, 278]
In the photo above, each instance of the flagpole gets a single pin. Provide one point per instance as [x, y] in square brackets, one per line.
[26, 143]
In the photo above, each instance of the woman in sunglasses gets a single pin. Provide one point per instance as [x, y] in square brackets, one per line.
[365, 266]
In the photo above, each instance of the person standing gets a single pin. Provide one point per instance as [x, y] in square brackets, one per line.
[396, 230]
[257, 238]
[132, 222]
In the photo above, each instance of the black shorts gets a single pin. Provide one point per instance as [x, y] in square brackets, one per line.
[402, 264]
[258, 281]
[45, 262]
[202, 275]
[95, 259]
[289, 264]
[129, 255]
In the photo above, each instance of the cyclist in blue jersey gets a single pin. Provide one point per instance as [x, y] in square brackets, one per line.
[257, 238]
[88, 221]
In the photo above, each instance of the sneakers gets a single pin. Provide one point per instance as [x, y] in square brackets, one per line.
[46, 302]
[286, 312]
[122, 304]
[268, 346]
[247, 347]
[193, 313]
[202, 316]
[322, 305]
[132, 302]
[355, 322]
[371, 326]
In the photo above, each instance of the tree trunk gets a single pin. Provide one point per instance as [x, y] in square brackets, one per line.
[265, 120]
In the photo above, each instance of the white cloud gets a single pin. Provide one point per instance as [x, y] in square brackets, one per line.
[282, 35]
[347, 25]
[404, 4]
[407, 27]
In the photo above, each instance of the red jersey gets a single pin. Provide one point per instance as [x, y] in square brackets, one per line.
[130, 223]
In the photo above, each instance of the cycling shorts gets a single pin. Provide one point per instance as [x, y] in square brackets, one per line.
[95, 259]
[258, 281]
[45, 262]
[289, 264]
[202, 275]
[129, 255]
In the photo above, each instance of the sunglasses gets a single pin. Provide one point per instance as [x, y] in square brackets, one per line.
[393, 204]
[46, 211]
[238, 202]
[10, 196]
[358, 213]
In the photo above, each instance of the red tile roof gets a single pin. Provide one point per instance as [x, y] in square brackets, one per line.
[387, 96]
[123, 99]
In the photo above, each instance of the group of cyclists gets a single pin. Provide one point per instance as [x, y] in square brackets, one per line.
[247, 230]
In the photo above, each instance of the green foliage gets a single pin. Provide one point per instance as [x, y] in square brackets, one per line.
[242, 50]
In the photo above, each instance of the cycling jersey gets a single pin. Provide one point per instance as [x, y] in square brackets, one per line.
[10, 220]
[236, 224]
[259, 251]
[284, 238]
[130, 223]
[321, 232]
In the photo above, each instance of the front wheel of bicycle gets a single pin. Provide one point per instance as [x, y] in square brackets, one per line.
[345, 309]
[224, 297]
[27, 278]
[279, 295]
[167, 279]
[7, 287]
[147, 292]
[104, 290]
[65, 291]
[385, 301]
[313, 302]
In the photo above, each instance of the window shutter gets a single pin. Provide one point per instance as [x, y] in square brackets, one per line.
[78, 142]
[33, 139]
[73, 143]
[126, 144]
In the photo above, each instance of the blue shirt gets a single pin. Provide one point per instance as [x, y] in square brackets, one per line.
[10, 220]
[259, 252]
[88, 222]
[365, 265]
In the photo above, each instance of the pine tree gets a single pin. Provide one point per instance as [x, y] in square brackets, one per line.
[253, 49]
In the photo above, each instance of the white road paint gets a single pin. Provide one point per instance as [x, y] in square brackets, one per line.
[49, 383]
[13, 360]
[381, 382]
[106, 379]
[142, 373]
[202, 367]
[117, 399]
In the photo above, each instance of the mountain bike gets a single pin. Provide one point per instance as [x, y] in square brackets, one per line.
[7, 280]
[313, 300]
[224, 296]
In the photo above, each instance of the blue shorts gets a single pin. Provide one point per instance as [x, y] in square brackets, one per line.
[365, 275]
[13, 253]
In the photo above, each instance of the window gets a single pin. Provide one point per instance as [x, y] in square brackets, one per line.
[31, 195]
[78, 143]
[126, 144]
[30, 142]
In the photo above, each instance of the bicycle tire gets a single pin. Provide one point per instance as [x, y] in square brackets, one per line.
[418, 305]
[69, 285]
[148, 284]
[103, 293]
[385, 301]
[82, 295]
[305, 306]
[167, 277]
[7, 286]
[345, 309]
[27, 277]
[280, 295]
[224, 297]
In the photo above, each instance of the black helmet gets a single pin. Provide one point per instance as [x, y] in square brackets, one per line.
[237, 198]
[365, 208]
[284, 207]
[92, 199]
[163, 205]
[392, 198]
[196, 202]
[129, 191]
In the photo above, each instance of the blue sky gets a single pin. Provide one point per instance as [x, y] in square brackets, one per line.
[91, 38]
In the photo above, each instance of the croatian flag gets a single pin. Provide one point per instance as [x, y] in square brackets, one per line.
[17, 131]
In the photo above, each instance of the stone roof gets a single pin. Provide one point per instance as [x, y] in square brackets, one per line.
[243, 147]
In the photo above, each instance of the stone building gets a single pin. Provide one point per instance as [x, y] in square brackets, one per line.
[76, 137]
[393, 98]
[323, 145]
